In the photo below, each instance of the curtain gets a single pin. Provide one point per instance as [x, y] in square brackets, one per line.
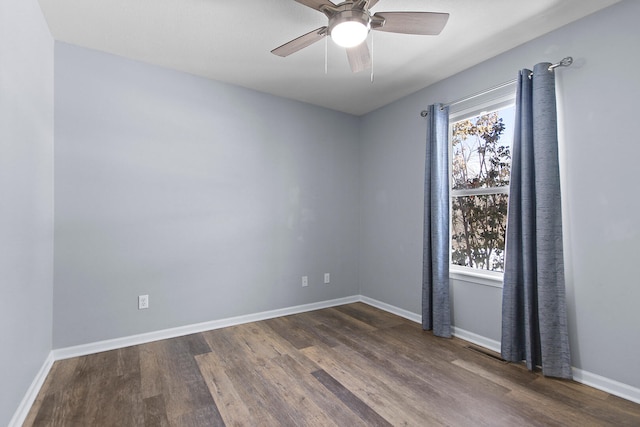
[436, 311]
[534, 318]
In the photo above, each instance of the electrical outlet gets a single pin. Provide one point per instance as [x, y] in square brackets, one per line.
[305, 281]
[327, 278]
[143, 302]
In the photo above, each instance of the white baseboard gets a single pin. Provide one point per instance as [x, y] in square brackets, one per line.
[32, 393]
[392, 309]
[480, 340]
[605, 384]
[608, 385]
[99, 346]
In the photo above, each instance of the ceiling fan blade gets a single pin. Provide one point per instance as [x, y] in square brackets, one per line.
[316, 4]
[359, 57]
[372, 3]
[301, 42]
[424, 23]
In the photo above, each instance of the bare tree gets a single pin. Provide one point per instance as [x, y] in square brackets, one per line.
[480, 161]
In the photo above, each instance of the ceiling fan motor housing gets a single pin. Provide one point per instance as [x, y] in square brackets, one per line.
[350, 15]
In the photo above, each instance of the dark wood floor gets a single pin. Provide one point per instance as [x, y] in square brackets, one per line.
[352, 365]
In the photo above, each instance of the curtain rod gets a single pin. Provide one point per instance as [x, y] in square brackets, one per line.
[565, 62]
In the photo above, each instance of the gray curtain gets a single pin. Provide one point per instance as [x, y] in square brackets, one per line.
[534, 318]
[436, 313]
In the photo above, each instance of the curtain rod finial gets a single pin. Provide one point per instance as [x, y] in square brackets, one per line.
[565, 62]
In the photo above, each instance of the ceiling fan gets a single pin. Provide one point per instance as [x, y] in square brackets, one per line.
[350, 23]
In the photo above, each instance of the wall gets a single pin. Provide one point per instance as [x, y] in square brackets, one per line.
[26, 198]
[599, 152]
[212, 199]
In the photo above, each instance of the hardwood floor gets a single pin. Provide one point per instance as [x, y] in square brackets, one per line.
[352, 365]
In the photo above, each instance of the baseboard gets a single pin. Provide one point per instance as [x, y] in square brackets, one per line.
[99, 346]
[392, 309]
[608, 385]
[32, 393]
[480, 340]
[613, 387]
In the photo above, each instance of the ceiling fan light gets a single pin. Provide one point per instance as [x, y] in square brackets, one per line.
[349, 33]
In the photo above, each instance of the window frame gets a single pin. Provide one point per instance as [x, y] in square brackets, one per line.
[473, 106]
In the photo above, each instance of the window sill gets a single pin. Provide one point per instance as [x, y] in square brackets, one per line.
[471, 275]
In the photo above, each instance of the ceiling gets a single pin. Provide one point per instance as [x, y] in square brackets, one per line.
[230, 41]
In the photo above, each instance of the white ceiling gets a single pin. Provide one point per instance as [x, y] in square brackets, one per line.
[230, 41]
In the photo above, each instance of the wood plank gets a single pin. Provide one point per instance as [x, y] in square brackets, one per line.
[197, 344]
[364, 411]
[223, 363]
[205, 416]
[578, 398]
[334, 318]
[151, 371]
[180, 381]
[120, 401]
[389, 399]
[44, 412]
[371, 316]
[538, 407]
[293, 397]
[274, 387]
[59, 377]
[90, 379]
[233, 408]
[458, 388]
[325, 398]
[251, 383]
[297, 332]
[155, 412]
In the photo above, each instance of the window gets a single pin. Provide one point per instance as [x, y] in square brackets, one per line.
[480, 154]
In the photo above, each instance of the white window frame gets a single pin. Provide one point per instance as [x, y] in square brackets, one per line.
[474, 106]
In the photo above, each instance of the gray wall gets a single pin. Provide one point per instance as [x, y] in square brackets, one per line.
[26, 198]
[599, 161]
[212, 199]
